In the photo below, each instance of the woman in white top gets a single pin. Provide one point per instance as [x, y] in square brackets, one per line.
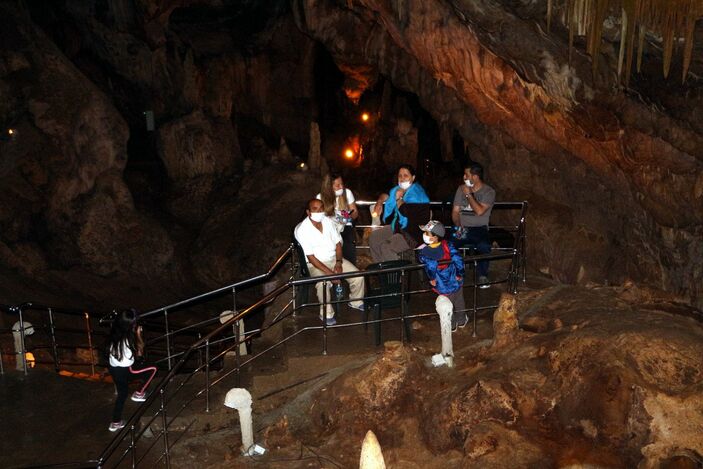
[340, 207]
[124, 344]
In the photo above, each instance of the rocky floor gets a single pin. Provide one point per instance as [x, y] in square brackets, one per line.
[593, 377]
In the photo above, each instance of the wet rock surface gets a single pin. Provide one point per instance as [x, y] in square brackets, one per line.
[616, 386]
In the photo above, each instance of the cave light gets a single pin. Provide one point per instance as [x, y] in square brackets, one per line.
[10, 132]
[349, 153]
[365, 117]
[30, 360]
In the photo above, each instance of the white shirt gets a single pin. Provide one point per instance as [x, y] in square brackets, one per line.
[322, 245]
[127, 356]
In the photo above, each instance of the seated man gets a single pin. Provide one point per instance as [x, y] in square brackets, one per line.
[471, 212]
[322, 246]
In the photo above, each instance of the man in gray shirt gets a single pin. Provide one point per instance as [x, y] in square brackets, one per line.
[471, 212]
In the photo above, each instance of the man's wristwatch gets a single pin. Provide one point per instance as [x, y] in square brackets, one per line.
[339, 261]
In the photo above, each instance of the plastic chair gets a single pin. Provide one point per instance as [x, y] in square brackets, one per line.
[389, 285]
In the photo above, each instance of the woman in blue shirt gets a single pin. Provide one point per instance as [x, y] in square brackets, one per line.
[405, 208]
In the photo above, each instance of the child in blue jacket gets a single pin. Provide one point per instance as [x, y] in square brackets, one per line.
[446, 279]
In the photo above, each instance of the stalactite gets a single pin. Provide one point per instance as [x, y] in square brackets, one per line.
[640, 46]
[670, 19]
[632, 10]
[623, 34]
[596, 31]
[688, 44]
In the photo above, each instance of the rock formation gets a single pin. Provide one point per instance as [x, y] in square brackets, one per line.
[619, 385]
[610, 175]
[613, 175]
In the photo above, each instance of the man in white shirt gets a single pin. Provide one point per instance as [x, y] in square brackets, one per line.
[322, 246]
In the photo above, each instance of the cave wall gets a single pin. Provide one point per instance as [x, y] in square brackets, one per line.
[613, 178]
[75, 83]
[616, 185]
[63, 199]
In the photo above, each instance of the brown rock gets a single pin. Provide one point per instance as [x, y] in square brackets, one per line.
[505, 323]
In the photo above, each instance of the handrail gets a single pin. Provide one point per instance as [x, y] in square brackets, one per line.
[274, 267]
[159, 389]
[206, 341]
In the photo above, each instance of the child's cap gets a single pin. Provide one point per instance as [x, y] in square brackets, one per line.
[435, 227]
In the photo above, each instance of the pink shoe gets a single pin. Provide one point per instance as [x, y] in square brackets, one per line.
[114, 426]
[139, 396]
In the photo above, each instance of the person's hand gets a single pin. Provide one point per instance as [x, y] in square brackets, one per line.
[458, 279]
[433, 283]
[399, 194]
[338, 268]
[466, 189]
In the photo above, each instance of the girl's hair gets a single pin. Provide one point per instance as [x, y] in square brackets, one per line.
[409, 167]
[122, 330]
[328, 197]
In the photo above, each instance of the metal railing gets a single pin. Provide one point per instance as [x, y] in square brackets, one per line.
[220, 341]
[158, 404]
[46, 322]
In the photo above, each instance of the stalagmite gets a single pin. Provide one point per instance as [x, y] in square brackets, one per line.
[371, 455]
[505, 321]
[314, 153]
[20, 351]
[226, 316]
[240, 399]
[444, 310]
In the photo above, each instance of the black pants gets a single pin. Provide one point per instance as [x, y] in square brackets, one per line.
[121, 375]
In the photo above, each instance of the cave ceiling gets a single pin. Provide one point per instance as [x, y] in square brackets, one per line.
[607, 141]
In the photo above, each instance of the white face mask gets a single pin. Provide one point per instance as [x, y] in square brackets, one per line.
[317, 217]
[339, 192]
[468, 183]
[426, 239]
[405, 184]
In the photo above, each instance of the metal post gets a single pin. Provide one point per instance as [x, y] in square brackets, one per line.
[168, 339]
[133, 446]
[324, 317]
[402, 306]
[164, 422]
[293, 256]
[475, 295]
[524, 252]
[207, 375]
[200, 352]
[90, 344]
[23, 347]
[54, 347]
[237, 354]
[2, 369]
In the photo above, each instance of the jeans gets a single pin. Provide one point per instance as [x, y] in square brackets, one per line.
[476, 237]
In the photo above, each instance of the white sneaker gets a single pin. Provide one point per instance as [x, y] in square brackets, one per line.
[483, 282]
